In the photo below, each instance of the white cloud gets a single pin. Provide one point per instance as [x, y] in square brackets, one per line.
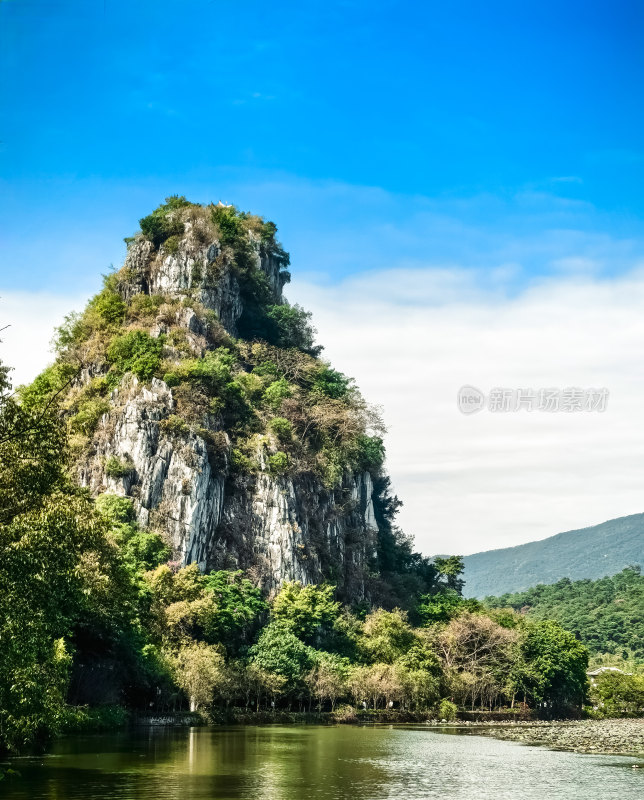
[412, 338]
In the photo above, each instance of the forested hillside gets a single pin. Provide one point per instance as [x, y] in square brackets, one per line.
[593, 552]
[607, 615]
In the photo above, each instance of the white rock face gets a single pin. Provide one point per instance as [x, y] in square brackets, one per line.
[286, 529]
[171, 480]
[294, 529]
[198, 267]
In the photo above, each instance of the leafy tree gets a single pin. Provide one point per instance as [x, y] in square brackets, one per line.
[198, 670]
[164, 222]
[118, 468]
[421, 689]
[32, 690]
[229, 224]
[259, 683]
[558, 663]
[220, 608]
[422, 655]
[308, 611]
[214, 376]
[387, 636]
[32, 452]
[344, 635]
[136, 352]
[447, 710]
[105, 312]
[282, 428]
[330, 383]
[376, 684]
[213, 371]
[450, 571]
[109, 306]
[55, 567]
[141, 549]
[369, 453]
[477, 654]
[327, 680]
[279, 652]
[278, 462]
[443, 607]
[616, 693]
[291, 327]
[240, 607]
[276, 392]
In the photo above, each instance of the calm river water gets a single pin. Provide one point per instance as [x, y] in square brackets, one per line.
[323, 763]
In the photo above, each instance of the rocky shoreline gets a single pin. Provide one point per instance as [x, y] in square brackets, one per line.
[611, 736]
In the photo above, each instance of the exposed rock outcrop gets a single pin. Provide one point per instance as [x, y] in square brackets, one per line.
[281, 525]
[286, 528]
[202, 270]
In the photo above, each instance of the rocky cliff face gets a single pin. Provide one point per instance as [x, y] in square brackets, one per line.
[200, 268]
[284, 528]
[184, 476]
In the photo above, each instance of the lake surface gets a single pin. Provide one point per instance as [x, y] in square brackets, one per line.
[321, 763]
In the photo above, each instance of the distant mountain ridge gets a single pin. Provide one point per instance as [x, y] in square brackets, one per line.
[594, 552]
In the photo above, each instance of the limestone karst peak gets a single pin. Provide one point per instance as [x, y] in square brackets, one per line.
[194, 388]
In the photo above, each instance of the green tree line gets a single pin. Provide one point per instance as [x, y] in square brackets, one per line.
[607, 615]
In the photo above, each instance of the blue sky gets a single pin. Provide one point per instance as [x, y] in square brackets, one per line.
[512, 118]
[459, 185]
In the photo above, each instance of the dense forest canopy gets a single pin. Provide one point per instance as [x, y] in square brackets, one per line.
[606, 615]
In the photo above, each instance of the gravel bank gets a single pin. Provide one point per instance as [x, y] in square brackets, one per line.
[613, 736]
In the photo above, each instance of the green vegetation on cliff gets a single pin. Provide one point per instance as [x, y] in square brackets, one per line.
[280, 404]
